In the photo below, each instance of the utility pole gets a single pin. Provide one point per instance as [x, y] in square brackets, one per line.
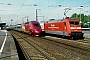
[27, 18]
[11, 21]
[37, 14]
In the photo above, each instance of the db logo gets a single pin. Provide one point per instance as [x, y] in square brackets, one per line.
[52, 25]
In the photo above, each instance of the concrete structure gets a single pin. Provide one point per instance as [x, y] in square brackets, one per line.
[8, 49]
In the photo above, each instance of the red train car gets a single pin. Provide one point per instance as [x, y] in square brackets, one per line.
[33, 27]
[65, 27]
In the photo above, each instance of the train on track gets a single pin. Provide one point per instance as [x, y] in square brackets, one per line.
[32, 27]
[69, 27]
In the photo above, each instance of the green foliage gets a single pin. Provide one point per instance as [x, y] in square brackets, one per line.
[84, 19]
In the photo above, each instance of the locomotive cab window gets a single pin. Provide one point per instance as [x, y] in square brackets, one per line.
[74, 23]
[36, 24]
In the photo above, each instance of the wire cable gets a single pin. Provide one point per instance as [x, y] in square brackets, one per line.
[21, 6]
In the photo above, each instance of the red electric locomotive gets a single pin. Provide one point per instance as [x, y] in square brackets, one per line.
[33, 27]
[66, 27]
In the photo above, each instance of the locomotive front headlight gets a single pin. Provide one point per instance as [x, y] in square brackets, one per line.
[36, 30]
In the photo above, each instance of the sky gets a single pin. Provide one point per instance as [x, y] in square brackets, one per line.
[18, 11]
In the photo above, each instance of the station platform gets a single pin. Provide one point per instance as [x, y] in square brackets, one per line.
[87, 34]
[8, 49]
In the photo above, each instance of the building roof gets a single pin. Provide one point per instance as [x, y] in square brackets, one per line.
[2, 24]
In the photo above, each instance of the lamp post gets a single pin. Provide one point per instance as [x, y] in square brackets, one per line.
[80, 13]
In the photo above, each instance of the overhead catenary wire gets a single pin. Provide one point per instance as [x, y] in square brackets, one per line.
[62, 5]
[20, 7]
[50, 5]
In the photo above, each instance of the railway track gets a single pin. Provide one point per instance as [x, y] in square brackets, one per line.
[30, 50]
[81, 44]
[61, 49]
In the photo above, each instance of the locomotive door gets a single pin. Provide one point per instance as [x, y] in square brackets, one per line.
[30, 27]
[64, 29]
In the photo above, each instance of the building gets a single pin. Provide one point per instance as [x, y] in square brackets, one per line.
[2, 25]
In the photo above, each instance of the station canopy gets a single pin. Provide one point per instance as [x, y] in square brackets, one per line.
[2, 24]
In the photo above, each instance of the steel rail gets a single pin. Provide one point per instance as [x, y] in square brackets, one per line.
[37, 48]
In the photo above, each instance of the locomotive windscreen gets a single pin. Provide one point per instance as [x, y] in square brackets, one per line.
[36, 24]
[74, 23]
